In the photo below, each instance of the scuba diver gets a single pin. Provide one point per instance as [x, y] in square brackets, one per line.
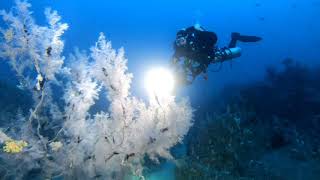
[195, 50]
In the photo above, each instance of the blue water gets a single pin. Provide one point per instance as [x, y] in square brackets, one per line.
[147, 28]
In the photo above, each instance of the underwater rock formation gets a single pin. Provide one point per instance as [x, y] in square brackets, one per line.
[262, 130]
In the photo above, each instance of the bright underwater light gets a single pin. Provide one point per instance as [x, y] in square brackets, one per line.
[159, 82]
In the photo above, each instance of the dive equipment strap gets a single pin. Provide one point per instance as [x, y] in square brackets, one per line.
[224, 54]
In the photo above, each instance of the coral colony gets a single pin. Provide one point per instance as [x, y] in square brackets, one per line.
[60, 138]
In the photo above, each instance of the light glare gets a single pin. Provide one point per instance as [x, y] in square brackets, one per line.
[159, 82]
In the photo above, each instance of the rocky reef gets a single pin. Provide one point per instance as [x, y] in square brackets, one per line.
[261, 130]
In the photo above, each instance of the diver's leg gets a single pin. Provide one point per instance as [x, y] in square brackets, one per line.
[234, 39]
[205, 72]
[242, 38]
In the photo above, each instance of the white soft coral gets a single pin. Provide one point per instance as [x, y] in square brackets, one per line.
[102, 143]
[31, 47]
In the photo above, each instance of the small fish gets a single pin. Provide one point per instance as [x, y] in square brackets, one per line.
[48, 51]
[25, 30]
[113, 88]
[89, 157]
[107, 139]
[110, 156]
[97, 176]
[79, 139]
[164, 130]
[151, 140]
[105, 71]
[128, 156]
[21, 86]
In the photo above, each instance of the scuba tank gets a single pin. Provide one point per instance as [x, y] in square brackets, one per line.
[225, 54]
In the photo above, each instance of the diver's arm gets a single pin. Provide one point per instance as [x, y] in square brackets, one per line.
[174, 60]
[176, 57]
[224, 54]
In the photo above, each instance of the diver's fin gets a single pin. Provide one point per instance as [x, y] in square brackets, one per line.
[242, 38]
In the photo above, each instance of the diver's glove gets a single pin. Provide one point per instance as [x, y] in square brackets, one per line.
[174, 60]
[174, 63]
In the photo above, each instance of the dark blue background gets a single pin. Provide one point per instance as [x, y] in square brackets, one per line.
[146, 29]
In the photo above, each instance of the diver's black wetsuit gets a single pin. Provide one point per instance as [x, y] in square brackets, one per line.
[197, 46]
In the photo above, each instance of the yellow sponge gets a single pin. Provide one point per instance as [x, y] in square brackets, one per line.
[13, 146]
